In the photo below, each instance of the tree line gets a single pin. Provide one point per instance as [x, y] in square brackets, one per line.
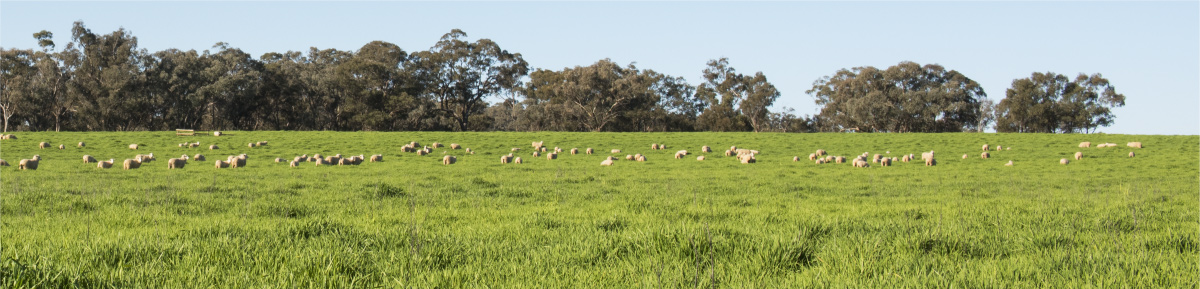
[105, 82]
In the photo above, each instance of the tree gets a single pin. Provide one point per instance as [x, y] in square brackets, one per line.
[458, 75]
[906, 97]
[732, 99]
[16, 68]
[597, 96]
[107, 78]
[1051, 102]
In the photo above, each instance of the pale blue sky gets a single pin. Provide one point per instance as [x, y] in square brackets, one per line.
[1149, 51]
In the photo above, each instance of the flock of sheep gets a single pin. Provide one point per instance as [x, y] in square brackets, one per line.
[743, 155]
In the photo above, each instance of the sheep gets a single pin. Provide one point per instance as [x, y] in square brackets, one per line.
[985, 155]
[3, 163]
[964, 156]
[639, 157]
[557, 150]
[747, 159]
[700, 158]
[505, 159]
[448, 160]
[238, 162]
[213, 147]
[517, 160]
[317, 156]
[999, 147]
[414, 144]
[294, 163]
[616, 151]
[262, 143]
[629, 157]
[422, 152]
[705, 149]
[469, 151]
[376, 158]
[653, 146]
[182, 144]
[194, 145]
[662, 146]
[279, 160]
[198, 157]
[820, 161]
[574, 151]
[133, 146]
[36, 157]
[346, 161]
[840, 159]
[7, 136]
[820, 152]
[436, 145]
[176, 163]
[1009, 164]
[797, 158]
[130, 164]
[812, 157]
[588, 151]
[222, 164]
[729, 153]
[1064, 161]
[904, 158]
[105, 164]
[930, 162]
[986, 147]
[1086, 144]
[1078, 156]
[537, 154]
[319, 162]
[733, 148]
[1131, 154]
[516, 149]
[538, 144]
[43, 145]
[606, 163]
[251, 145]
[88, 159]
[551, 156]
[183, 157]
[1135, 144]
[217, 133]
[684, 152]
[80, 145]
[406, 148]
[887, 162]
[455, 146]
[333, 159]
[679, 155]
[27, 164]
[927, 156]
[612, 158]
[875, 159]
[742, 152]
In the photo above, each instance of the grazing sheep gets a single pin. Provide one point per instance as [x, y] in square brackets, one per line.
[927, 156]
[294, 164]
[986, 147]
[537, 154]
[212, 147]
[516, 149]
[820, 161]
[639, 157]
[517, 160]
[1086, 144]
[588, 151]
[964, 156]
[194, 145]
[455, 146]
[217, 133]
[875, 159]
[222, 164]
[612, 158]
[60, 146]
[130, 164]
[679, 155]
[684, 152]
[43, 145]
[176, 163]
[606, 163]
[105, 164]
[574, 151]
[184, 157]
[629, 157]
[729, 153]
[181, 145]
[1064, 161]
[821, 152]
[27, 164]
[812, 157]
[376, 158]
[1078, 155]
[733, 148]
[279, 160]
[414, 144]
[422, 152]
[985, 155]
[616, 151]
[88, 159]
[557, 150]
[797, 158]
[1135, 144]
[469, 151]
[317, 156]
[840, 159]
[887, 162]
[998, 147]
[705, 149]
[538, 144]
[742, 152]
[930, 162]
[299, 159]
[1009, 164]
[662, 146]
[505, 159]
[251, 145]
[198, 157]
[133, 146]
[262, 143]
[7, 136]
[1131, 154]
[700, 158]
[3, 163]
[653, 146]
[239, 162]
[346, 161]
[551, 156]
[436, 145]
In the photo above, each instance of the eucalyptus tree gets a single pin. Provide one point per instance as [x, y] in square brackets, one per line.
[907, 97]
[107, 78]
[459, 75]
[597, 96]
[1051, 102]
[734, 100]
[16, 68]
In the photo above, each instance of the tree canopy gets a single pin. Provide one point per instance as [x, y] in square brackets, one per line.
[1050, 102]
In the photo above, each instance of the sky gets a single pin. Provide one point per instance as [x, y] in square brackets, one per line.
[1149, 51]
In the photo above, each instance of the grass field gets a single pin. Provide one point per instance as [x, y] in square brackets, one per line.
[1107, 221]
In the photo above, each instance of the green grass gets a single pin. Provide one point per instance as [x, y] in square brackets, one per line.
[1102, 222]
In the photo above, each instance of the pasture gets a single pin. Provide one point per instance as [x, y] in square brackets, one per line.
[1107, 220]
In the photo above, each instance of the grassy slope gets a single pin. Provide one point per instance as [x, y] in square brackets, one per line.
[1105, 221]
